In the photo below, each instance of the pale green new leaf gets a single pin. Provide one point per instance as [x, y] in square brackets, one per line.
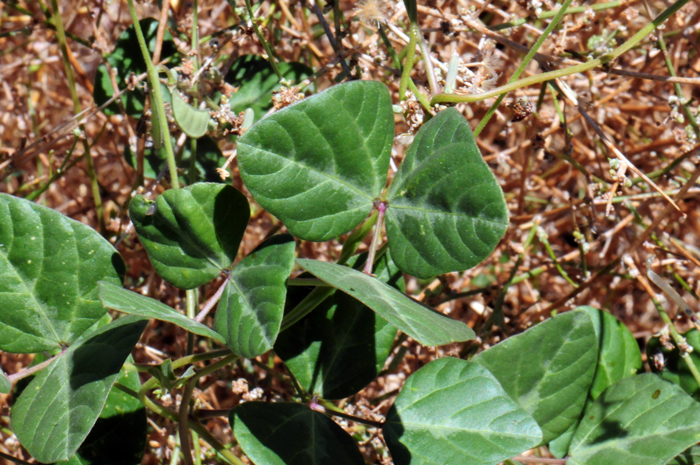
[193, 121]
[423, 324]
[59, 407]
[548, 369]
[120, 299]
[446, 211]
[642, 420]
[291, 434]
[250, 311]
[454, 412]
[49, 269]
[319, 164]
[194, 232]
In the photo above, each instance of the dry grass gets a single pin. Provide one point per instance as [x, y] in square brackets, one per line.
[553, 167]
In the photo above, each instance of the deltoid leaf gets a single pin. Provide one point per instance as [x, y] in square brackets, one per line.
[120, 299]
[618, 357]
[49, 269]
[126, 58]
[446, 211]
[250, 311]
[192, 121]
[319, 164]
[642, 420]
[57, 410]
[291, 434]
[454, 412]
[256, 80]
[675, 369]
[5, 383]
[194, 232]
[342, 345]
[423, 324]
[548, 369]
[119, 435]
[208, 159]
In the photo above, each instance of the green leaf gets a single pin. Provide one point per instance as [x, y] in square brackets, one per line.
[192, 121]
[250, 311]
[423, 324]
[319, 164]
[126, 301]
[340, 347]
[119, 435]
[674, 368]
[5, 383]
[291, 434]
[618, 357]
[446, 211]
[256, 80]
[55, 413]
[194, 233]
[126, 59]
[548, 369]
[454, 412]
[49, 269]
[642, 420]
[209, 158]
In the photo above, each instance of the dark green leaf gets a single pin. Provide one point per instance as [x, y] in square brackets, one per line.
[250, 311]
[55, 413]
[119, 435]
[642, 420]
[5, 384]
[619, 356]
[291, 434]
[126, 58]
[209, 158]
[446, 211]
[548, 369]
[342, 345]
[192, 121]
[319, 164]
[49, 269]
[454, 412]
[118, 298]
[256, 80]
[675, 369]
[423, 324]
[194, 232]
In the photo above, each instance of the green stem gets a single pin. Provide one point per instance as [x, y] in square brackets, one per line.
[408, 63]
[559, 73]
[356, 238]
[192, 304]
[552, 13]
[526, 61]
[61, 35]
[376, 238]
[156, 93]
[263, 41]
[678, 340]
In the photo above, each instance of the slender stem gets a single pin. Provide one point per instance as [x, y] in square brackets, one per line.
[33, 369]
[376, 238]
[156, 93]
[13, 459]
[60, 33]
[184, 412]
[559, 73]
[266, 45]
[319, 14]
[211, 302]
[429, 69]
[329, 409]
[408, 63]
[552, 13]
[356, 238]
[526, 61]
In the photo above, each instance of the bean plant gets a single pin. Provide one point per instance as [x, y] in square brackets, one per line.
[573, 383]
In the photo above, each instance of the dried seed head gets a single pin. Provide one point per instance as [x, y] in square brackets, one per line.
[371, 11]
